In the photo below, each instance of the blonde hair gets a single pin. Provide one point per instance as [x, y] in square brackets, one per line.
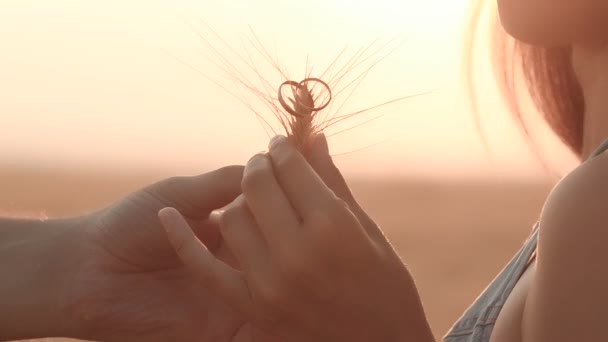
[546, 72]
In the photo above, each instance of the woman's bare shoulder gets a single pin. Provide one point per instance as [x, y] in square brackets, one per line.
[568, 300]
[580, 197]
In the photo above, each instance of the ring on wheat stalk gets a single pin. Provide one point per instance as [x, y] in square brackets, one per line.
[303, 101]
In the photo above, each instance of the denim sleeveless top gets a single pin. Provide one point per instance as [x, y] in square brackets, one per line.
[477, 322]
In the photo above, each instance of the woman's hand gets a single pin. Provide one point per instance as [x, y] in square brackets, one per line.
[314, 266]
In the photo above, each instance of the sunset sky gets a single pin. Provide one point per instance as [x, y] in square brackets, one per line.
[113, 84]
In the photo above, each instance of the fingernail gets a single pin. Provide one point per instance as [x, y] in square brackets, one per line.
[319, 144]
[167, 215]
[276, 140]
[166, 211]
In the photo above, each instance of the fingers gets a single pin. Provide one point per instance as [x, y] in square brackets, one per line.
[322, 163]
[207, 231]
[243, 237]
[217, 276]
[197, 196]
[301, 184]
[268, 202]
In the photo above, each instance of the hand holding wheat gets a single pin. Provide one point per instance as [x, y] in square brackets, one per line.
[313, 265]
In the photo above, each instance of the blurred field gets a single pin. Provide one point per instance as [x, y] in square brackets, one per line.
[454, 236]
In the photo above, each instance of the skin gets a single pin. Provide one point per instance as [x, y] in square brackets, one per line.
[591, 66]
[554, 22]
[309, 255]
[114, 275]
[562, 296]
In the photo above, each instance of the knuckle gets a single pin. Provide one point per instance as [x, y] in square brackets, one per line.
[180, 245]
[340, 204]
[228, 217]
[288, 160]
[329, 226]
[256, 178]
[230, 170]
[226, 174]
[223, 172]
[340, 212]
[274, 301]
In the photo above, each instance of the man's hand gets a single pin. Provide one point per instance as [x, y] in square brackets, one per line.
[130, 286]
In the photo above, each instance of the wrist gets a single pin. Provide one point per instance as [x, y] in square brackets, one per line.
[39, 261]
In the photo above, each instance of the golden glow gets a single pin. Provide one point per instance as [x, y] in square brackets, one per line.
[99, 83]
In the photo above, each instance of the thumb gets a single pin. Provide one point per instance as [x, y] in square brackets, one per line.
[197, 196]
[322, 163]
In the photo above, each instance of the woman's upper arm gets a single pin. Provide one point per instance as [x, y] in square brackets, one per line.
[568, 299]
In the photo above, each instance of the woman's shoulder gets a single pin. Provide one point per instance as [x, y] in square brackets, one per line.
[581, 196]
[568, 294]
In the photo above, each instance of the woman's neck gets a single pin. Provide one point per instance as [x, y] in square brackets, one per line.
[591, 66]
